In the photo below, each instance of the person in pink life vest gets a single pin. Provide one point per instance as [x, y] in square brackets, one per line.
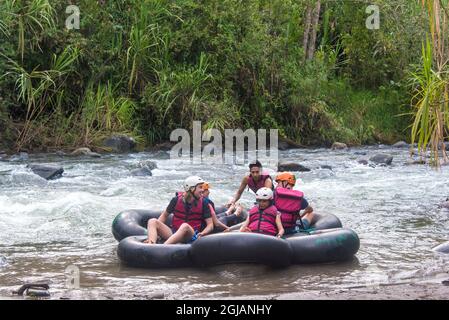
[290, 202]
[255, 180]
[264, 217]
[190, 214]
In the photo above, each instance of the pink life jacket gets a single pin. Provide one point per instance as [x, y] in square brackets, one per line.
[263, 221]
[193, 217]
[260, 184]
[288, 202]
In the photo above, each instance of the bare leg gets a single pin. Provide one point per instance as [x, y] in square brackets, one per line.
[183, 234]
[155, 228]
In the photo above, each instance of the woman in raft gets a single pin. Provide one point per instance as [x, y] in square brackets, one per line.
[191, 216]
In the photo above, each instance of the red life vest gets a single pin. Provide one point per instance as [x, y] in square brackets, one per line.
[193, 217]
[260, 184]
[263, 221]
[288, 202]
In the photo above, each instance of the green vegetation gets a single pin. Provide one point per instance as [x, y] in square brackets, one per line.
[146, 67]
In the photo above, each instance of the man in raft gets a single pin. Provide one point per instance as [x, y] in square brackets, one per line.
[255, 180]
[190, 214]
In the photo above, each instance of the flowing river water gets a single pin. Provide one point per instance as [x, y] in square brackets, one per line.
[47, 226]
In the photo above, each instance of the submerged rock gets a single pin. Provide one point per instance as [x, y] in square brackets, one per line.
[400, 144]
[141, 172]
[363, 161]
[22, 156]
[291, 166]
[382, 159]
[415, 162]
[151, 165]
[325, 166]
[85, 152]
[120, 143]
[47, 172]
[339, 146]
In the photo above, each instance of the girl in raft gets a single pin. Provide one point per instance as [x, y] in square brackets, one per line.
[264, 217]
[290, 202]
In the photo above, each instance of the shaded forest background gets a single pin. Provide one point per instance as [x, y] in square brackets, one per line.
[312, 69]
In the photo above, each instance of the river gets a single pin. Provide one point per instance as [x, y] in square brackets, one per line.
[47, 226]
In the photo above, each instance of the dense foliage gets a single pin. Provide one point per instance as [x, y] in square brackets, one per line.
[146, 67]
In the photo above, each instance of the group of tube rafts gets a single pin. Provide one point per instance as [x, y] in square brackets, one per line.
[271, 233]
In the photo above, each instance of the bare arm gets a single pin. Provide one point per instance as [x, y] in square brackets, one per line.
[307, 210]
[244, 227]
[269, 183]
[242, 187]
[163, 217]
[216, 222]
[279, 225]
[209, 227]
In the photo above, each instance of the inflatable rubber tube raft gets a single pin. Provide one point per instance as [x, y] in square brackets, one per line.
[330, 244]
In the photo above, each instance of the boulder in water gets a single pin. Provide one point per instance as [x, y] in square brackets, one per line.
[120, 143]
[382, 159]
[339, 146]
[164, 146]
[141, 172]
[363, 161]
[22, 156]
[85, 152]
[325, 166]
[360, 153]
[287, 144]
[47, 172]
[291, 166]
[148, 164]
[400, 144]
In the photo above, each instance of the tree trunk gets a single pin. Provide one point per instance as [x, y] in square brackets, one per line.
[316, 17]
[307, 29]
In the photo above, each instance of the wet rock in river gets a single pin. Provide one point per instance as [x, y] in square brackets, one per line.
[339, 146]
[47, 172]
[382, 159]
[291, 166]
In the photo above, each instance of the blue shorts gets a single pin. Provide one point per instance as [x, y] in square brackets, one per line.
[194, 237]
[298, 227]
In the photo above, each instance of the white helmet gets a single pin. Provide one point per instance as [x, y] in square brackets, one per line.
[192, 182]
[264, 194]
